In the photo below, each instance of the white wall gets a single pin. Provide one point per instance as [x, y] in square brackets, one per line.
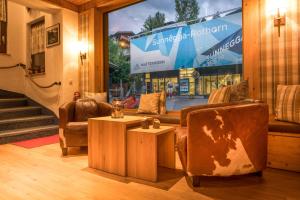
[61, 60]
[13, 79]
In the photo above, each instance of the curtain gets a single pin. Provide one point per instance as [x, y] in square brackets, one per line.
[84, 67]
[3, 11]
[37, 38]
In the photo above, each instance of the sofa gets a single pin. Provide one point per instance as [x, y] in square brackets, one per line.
[223, 139]
[73, 121]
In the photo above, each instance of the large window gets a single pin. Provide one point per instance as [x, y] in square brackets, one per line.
[187, 48]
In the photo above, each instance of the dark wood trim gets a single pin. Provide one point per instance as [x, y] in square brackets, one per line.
[195, 181]
[107, 5]
[105, 76]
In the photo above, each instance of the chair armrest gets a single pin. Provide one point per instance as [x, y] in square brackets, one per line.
[104, 109]
[185, 111]
[66, 114]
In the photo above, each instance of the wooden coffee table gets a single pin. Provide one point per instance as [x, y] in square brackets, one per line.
[149, 148]
[107, 143]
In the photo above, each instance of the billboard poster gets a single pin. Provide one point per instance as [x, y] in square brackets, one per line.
[184, 86]
[216, 42]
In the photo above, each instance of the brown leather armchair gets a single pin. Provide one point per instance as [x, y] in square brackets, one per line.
[224, 140]
[73, 121]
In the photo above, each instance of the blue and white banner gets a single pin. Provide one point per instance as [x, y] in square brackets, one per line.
[216, 42]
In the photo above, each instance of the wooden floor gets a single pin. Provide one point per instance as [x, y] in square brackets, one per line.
[41, 173]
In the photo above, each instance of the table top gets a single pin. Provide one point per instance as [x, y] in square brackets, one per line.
[151, 130]
[125, 119]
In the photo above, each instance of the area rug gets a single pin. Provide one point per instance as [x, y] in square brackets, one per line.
[38, 142]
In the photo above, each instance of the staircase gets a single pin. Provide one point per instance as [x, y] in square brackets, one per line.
[21, 119]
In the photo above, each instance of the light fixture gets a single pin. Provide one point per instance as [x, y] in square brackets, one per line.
[82, 57]
[279, 20]
[83, 48]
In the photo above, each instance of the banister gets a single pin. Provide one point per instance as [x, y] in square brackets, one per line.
[17, 65]
[23, 66]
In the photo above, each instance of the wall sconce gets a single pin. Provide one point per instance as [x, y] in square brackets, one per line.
[83, 49]
[279, 19]
[82, 56]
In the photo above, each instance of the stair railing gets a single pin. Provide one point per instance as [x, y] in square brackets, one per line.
[17, 65]
[27, 75]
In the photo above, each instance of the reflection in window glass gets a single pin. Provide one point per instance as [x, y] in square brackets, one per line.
[155, 47]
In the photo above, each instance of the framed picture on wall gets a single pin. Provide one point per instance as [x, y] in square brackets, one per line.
[53, 35]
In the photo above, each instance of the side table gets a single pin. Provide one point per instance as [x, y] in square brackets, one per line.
[149, 148]
[107, 143]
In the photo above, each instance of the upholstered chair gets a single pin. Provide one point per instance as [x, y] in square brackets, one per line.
[73, 121]
[224, 140]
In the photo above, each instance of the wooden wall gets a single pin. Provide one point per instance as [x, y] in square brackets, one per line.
[270, 60]
[97, 36]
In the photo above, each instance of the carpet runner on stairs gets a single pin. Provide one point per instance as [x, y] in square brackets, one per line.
[20, 121]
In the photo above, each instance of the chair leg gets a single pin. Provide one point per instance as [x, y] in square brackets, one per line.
[259, 173]
[195, 181]
[64, 151]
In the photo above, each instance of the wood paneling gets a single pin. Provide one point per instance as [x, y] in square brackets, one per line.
[284, 151]
[270, 60]
[251, 38]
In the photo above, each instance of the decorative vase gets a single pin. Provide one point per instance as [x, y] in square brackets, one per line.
[117, 108]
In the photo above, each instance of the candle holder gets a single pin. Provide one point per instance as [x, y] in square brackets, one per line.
[145, 123]
[117, 108]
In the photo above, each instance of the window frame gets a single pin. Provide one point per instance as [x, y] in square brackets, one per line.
[41, 70]
[3, 32]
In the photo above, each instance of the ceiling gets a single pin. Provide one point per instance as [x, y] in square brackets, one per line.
[82, 5]
[78, 2]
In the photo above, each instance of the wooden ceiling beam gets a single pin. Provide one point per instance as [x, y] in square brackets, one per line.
[64, 4]
[107, 5]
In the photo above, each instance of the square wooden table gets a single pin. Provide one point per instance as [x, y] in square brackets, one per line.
[149, 148]
[107, 142]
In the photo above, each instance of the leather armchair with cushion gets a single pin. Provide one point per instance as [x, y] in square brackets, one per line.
[224, 141]
[73, 121]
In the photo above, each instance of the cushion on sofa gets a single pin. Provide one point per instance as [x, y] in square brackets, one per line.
[149, 103]
[84, 109]
[288, 103]
[76, 127]
[162, 103]
[239, 91]
[98, 97]
[283, 127]
[221, 95]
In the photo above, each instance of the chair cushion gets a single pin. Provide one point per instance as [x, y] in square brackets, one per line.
[162, 103]
[149, 103]
[239, 92]
[84, 109]
[98, 97]
[288, 103]
[283, 127]
[169, 119]
[221, 95]
[77, 128]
